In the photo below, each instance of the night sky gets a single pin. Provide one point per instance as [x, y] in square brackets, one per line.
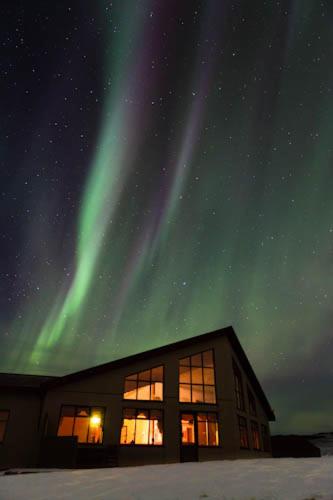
[166, 170]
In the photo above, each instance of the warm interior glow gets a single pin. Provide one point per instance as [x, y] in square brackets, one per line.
[95, 420]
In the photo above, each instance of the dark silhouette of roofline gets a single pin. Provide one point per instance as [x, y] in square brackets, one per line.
[228, 332]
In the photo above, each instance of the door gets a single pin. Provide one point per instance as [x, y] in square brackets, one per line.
[188, 438]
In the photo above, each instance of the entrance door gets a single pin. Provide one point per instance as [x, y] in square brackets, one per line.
[189, 438]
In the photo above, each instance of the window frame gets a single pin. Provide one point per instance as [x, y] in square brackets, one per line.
[196, 430]
[137, 410]
[137, 385]
[75, 406]
[254, 427]
[246, 427]
[238, 375]
[6, 423]
[203, 385]
[252, 402]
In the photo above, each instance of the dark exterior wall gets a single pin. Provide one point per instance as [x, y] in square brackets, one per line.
[106, 389]
[21, 442]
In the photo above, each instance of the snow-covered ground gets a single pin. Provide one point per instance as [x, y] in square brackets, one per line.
[262, 479]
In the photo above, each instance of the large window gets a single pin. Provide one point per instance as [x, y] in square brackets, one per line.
[85, 422]
[4, 416]
[252, 403]
[238, 388]
[243, 433]
[142, 427]
[146, 385]
[197, 379]
[255, 435]
[265, 438]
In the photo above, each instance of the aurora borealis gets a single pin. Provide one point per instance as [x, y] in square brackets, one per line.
[166, 170]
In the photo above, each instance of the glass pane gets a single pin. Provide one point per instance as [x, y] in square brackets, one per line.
[2, 430]
[210, 396]
[157, 391]
[196, 360]
[141, 431]
[129, 413]
[156, 414]
[134, 376]
[184, 361]
[145, 376]
[197, 394]
[202, 433]
[197, 375]
[96, 426]
[213, 435]
[81, 426]
[209, 376]
[208, 360]
[65, 426]
[142, 414]
[155, 432]
[185, 393]
[185, 374]
[157, 374]
[68, 411]
[144, 390]
[188, 434]
[4, 414]
[130, 389]
[82, 411]
[127, 431]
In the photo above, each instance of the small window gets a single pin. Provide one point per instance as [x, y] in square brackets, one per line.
[252, 403]
[142, 427]
[208, 434]
[145, 386]
[255, 435]
[240, 404]
[243, 433]
[82, 421]
[265, 438]
[4, 417]
[197, 378]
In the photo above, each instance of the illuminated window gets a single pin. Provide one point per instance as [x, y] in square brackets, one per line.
[197, 378]
[265, 438]
[238, 388]
[201, 428]
[255, 435]
[146, 385]
[243, 434]
[142, 427]
[208, 434]
[85, 422]
[4, 416]
[252, 403]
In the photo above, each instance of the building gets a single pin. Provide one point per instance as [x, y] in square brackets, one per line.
[196, 399]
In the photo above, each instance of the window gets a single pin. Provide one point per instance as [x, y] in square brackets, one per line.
[146, 385]
[265, 438]
[252, 403]
[142, 427]
[243, 434]
[4, 416]
[208, 434]
[255, 435]
[238, 388]
[85, 422]
[197, 379]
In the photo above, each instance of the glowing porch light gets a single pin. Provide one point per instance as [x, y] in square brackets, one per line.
[95, 420]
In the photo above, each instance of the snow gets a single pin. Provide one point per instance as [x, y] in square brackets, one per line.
[257, 479]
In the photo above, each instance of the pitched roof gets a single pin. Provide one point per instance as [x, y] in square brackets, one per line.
[228, 332]
[23, 381]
